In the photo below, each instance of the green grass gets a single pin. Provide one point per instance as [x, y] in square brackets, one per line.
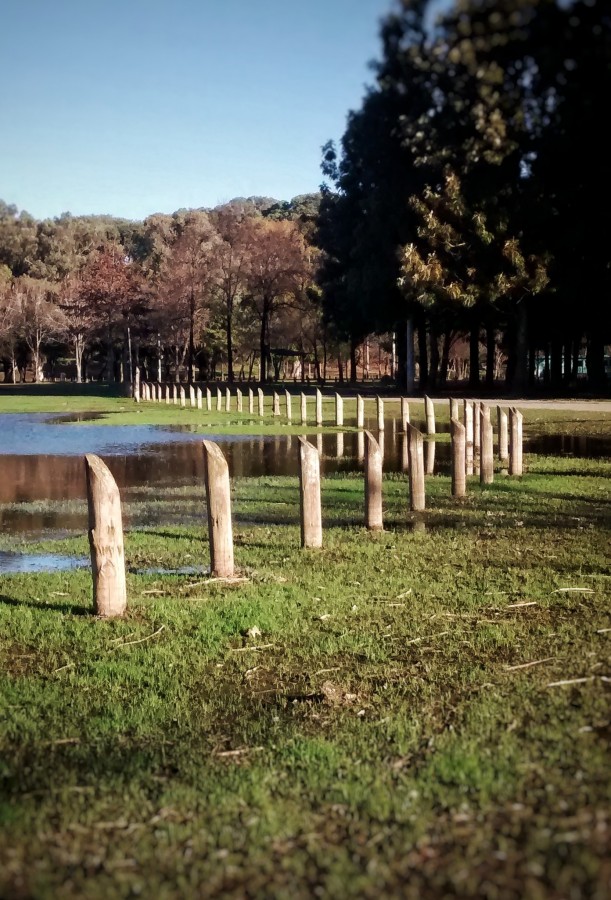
[375, 739]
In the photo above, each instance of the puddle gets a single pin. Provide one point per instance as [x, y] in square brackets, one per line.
[22, 563]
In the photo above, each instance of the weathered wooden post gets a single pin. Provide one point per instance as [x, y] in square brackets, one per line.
[175, 394]
[360, 412]
[199, 398]
[219, 400]
[239, 402]
[404, 411]
[468, 416]
[429, 468]
[309, 495]
[276, 406]
[486, 465]
[251, 402]
[429, 408]
[417, 500]
[515, 442]
[144, 391]
[339, 411]
[373, 484]
[459, 446]
[208, 400]
[380, 408]
[477, 431]
[304, 409]
[167, 393]
[137, 385]
[183, 398]
[261, 400]
[191, 396]
[288, 400]
[318, 408]
[159, 389]
[218, 497]
[405, 450]
[453, 408]
[227, 400]
[105, 539]
[503, 434]
[360, 445]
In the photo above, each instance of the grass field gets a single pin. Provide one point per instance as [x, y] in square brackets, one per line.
[418, 713]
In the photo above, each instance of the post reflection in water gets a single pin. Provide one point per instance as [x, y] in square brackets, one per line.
[339, 444]
[360, 446]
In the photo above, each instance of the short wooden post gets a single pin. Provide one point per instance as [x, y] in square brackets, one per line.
[199, 398]
[515, 442]
[227, 400]
[105, 539]
[219, 400]
[288, 400]
[429, 468]
[276, 405]
[486, 466]
[318, 408]
[251, 402]
[339, 411]
[192, 395]
[174, 393]
[144, 391]
[468, 418]
[380, 408]
[159, 389]
[183, 398]
[459, 445]
[304, 409]
[373, 484]
[417, 499]
[208, 400]
[218, 498]
[261, 400]
[360, 412]
[503, 434]
[167, 392]
[309, 495]
[239, 401]
[453, 408]
[429, 408]
[477, 430]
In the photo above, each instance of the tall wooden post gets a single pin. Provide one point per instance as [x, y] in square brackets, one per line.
[136, 388]
[261, 400]
[276, 406]
[459, 445]
[417, 500]
[503, 434]
[309, 495]
[208, 400]
[360, 412]
[199, 398]
[429, 408]
[380, 409]
[515, 442]
[318, 408]
[339, 411]
[105, 539]
[404, 412]
[251, 402]
[373, 484]
[304, 409]
[486, 465]
[468, 414]
[218, 497]
[288, 400]
[360, 445]
[227, 400]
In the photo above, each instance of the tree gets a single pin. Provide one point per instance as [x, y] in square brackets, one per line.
[37, 318]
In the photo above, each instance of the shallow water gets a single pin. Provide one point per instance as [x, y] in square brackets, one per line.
[20, 563]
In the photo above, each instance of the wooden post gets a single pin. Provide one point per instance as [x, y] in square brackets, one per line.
[251, 402]
[276, 406]
[380, 406]
[486, 466]
[405, 450]
[459, 446]
[192, 395]
[304, 409]
[404, 411]
[429, 468]
[261, 400]
[227, 400]
[429, 408]
[174, 393]
[503, 434]
[309, 495]
[453, 408]
[468, 414]
[417, 500]
[167, 393]
[515, 442]
[339, 411]
[477, 431]
[318, 408]
[360, 445]
[199, 398]
[239, 401]
[289, 406]
[219, 400]
[159, 397]
[208, 400]
[105, 539]
[218, 497]
[136, 387]
[360, 412]
[373, 484]
[182, 396]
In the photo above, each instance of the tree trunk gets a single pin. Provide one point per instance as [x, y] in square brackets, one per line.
[474, 354]
[353, 348]
[556, 368]
[229, 327]
[490, 355]
[521, 349]
[262, 342]
[445, 358]
[423, 360]
[191, 362]
[595, 361]
[434, 371]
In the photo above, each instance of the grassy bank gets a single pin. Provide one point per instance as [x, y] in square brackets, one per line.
[418, 713]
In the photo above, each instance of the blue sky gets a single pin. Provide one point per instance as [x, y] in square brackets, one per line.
[131, 107]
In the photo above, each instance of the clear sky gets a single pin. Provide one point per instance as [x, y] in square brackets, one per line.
[130, 107]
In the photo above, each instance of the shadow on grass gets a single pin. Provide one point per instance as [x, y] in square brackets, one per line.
[72, 608]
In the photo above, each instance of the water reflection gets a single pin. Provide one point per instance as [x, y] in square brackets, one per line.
[22, 563]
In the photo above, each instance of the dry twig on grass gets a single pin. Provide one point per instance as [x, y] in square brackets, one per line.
[141, 640]
[535, 662]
